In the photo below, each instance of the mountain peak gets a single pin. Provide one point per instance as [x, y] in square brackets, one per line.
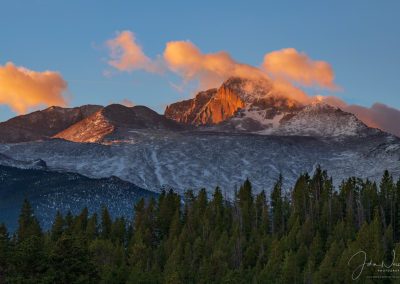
[252, 105]
[115, 121]
[43, 124]
[217, 105]
[249, 90]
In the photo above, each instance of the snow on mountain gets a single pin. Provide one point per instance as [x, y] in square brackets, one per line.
[320, 119]
[28, 164]
[193, 160]
[50, 191]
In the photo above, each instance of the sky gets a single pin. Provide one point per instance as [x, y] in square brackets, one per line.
[73, 42]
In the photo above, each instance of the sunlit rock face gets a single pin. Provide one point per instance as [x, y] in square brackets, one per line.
[216, 105]
[188, 110]
[220, 107]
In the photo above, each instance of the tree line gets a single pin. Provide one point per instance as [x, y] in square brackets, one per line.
[310, 234]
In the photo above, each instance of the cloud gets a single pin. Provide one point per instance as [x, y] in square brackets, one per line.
[210, 69]
[127, 55]
[379, 116]
[288, 70]
[127, 103]
[297, 67]
[23, 89]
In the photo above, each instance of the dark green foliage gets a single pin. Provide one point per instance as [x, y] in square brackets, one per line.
[306, 235]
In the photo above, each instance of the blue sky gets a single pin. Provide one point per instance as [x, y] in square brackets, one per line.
[360, 39]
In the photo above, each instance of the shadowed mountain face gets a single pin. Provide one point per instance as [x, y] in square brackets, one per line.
[43, 124]
[113, 121]
[51, 191]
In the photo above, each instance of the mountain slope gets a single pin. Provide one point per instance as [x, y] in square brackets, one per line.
[193, 159]
[43, 124]
[33, 164]
[52, 191]
[114, 123]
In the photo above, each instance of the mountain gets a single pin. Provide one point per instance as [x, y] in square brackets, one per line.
[254, 106]
[114, 122]
[38, 164]
[43, 124]
[49, 191]
[243, 129]
[216, 105]
[199, 159]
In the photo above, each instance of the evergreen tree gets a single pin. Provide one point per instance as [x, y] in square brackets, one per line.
[57, 228]
[28, 225]
[106, 223]
[4, 252]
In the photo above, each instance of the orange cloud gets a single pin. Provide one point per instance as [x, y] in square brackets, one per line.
[127, 55]
[291, 65]
[211, 69]
[23, 89]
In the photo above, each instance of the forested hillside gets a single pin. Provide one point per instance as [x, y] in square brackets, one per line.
[312, 234]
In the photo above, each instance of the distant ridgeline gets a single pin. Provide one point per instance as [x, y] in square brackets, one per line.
[312, 234]
[49, 191]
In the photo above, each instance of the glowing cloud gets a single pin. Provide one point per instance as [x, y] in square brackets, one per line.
[184, 58]
[23, 89]
[297, 67]
[127, 55]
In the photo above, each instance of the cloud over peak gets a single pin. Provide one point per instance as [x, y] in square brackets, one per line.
[289, 70]
[23, 89]
[297, 67]
[210, 69]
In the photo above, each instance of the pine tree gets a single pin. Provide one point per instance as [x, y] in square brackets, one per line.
[277, 207]
[58, 227]
[106, 223]
[4, 252]
[28, 225]
[92, 227]
[70, 261]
